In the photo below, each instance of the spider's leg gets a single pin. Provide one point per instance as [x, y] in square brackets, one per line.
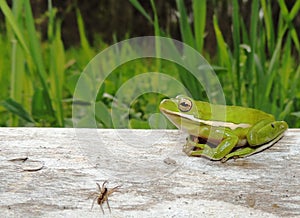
[101, 208]
[94, 202]
[92, 194]
[104, 183]
[108, 205]
[110, 191]
[99, 187]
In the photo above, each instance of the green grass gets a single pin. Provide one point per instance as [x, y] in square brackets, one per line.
[29, 77]
[38, 78]
[37, 83]
[261, 68]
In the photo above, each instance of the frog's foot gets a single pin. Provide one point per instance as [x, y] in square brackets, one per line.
[192, 144]
[195, 149]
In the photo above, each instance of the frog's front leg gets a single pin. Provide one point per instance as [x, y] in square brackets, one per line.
[228, 141]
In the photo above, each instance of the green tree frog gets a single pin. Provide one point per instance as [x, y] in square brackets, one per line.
[229, 132]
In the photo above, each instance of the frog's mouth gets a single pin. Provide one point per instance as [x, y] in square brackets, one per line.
[178, 118]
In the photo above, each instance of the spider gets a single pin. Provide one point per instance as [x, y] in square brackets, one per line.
[102, 195]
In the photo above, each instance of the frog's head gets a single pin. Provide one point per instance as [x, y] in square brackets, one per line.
[179, 110]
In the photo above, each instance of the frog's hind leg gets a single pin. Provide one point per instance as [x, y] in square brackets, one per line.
[242, 152]
[247, 151]
[228, 142]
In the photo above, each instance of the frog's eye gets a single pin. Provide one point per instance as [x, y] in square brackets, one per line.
[185, 105]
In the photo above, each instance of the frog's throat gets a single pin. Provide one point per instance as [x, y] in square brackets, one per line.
[192, 118]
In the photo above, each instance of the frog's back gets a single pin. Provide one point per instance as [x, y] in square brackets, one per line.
[246, 115]
[234, 114]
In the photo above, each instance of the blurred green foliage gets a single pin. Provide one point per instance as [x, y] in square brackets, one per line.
[259, 69]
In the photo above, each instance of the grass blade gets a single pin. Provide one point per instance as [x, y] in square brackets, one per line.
[289, 18]
[185, 28]
[251, 63]
[17, 109]
[11, 19]
[155, 23]
[157, 33]
[236, 51]
[83, 39]
[36, 54]
[56, 73]
[271, 72]
[140, 8]
[295, 10]
[17, 77]
[224, 56]
[266, 7]
[56, 63]
[199, 10]
[17, 57]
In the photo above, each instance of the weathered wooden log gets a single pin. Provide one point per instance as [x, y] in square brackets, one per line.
[51, 172]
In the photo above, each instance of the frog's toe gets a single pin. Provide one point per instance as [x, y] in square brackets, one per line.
[188, 149]
[225, 159]
[192, 148]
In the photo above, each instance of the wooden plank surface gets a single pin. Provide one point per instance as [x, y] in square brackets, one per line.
[51, 172]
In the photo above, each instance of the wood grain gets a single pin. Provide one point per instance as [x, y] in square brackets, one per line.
[51, 172]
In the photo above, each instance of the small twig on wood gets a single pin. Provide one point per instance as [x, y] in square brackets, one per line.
[30, 165]
[34, 168]
[23, 159]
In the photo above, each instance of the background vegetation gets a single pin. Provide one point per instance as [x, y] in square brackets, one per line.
[253, 46]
